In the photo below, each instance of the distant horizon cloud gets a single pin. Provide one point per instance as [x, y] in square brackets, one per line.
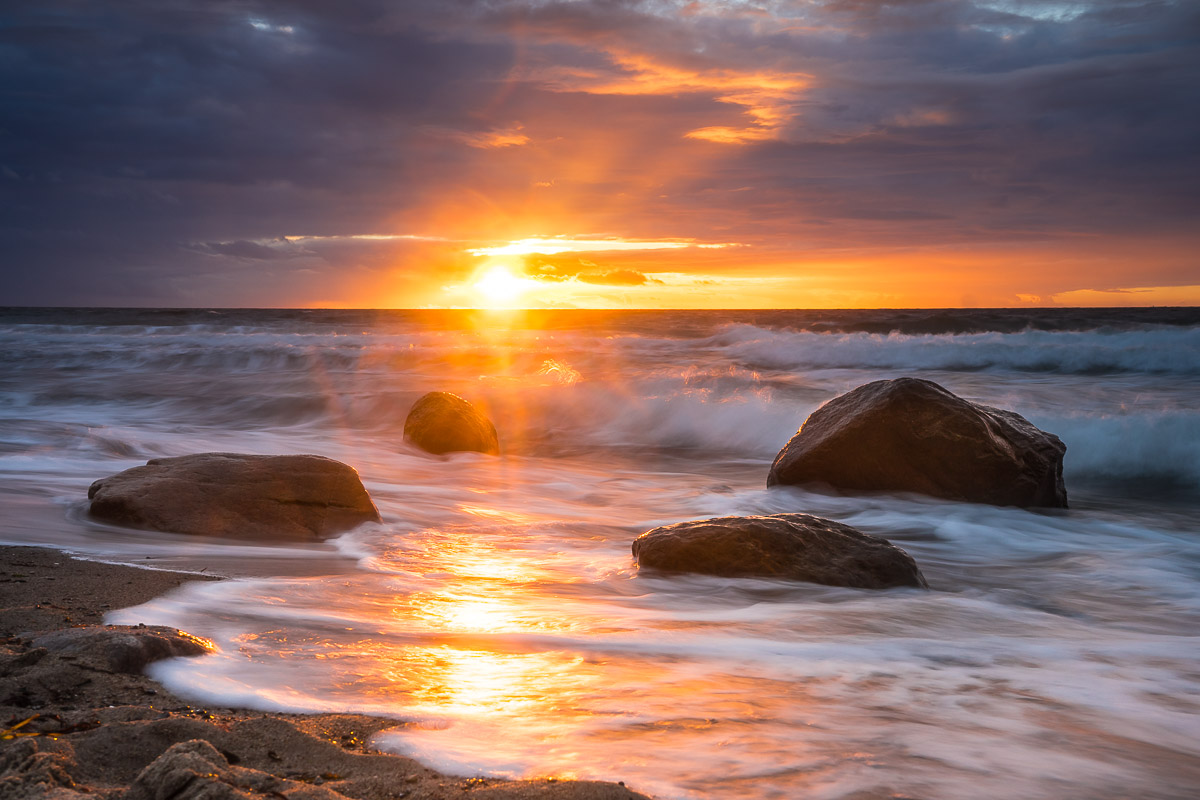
[563, 244]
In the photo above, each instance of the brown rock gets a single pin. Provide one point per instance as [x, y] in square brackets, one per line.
[298, 498]
[441, 422]
[796, 547]
[37, 771]
[120, 648]
[195, 770]
[911, 435]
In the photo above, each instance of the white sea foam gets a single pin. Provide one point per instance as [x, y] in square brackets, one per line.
[1162, 350]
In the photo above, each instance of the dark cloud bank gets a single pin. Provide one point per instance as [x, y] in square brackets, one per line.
[153, 153]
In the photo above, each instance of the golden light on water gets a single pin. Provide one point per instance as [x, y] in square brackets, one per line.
[456, 681]
[493, 650]
[469, 664]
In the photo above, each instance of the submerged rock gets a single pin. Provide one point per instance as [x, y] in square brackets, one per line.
[441, 422]
[297, 498]
[796, 547]
[912, 435]
[121, 648]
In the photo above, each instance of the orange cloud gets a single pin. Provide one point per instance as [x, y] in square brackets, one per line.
[487, 140]
[1137, 296]
[618, 277]
[766, 97]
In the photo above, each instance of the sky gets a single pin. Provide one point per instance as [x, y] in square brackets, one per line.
[600, 153]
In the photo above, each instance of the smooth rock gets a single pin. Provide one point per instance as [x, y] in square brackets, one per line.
[796, 547]
[912, 435]
[441, 422]
[121, 648]
[296, 498]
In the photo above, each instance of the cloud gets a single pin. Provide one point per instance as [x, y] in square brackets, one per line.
[563, 244]
[765, 98]
[252, 251]
[499, 137]
[618, 277]
[805, 130]
[557, 269]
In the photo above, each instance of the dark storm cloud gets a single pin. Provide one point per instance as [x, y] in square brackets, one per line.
[131, 132]
[1016, 121]
[980, 123]
[134, 130]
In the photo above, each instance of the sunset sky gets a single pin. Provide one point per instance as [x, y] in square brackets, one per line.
[600, 153]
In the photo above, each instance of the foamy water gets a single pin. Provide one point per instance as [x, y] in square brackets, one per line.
[496, 613]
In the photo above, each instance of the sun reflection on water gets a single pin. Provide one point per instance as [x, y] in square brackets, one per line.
[458, 682]
[482, 599]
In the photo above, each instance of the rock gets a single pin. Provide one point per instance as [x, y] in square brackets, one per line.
[195, 770]
[120, 648]
[441, 422]
[911, 435]
[37, 770]
[297, 498]
[796, 547]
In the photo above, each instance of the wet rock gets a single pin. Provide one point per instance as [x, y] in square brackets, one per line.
[195, 770]
[120, 648]
[911, 435]
[441, 422]
[796, 547]
[296, 498]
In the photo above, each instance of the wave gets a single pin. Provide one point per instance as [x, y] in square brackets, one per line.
[739, 390]
[1153, 446]
[733, 416]
[685, 323]
[1151, 450]
[1155, 351]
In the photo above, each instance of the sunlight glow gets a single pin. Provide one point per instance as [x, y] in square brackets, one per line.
[499, 288]
[550, 247]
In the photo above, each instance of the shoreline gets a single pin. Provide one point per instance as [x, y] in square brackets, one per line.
[71, 726]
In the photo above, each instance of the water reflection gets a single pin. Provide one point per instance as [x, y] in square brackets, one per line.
[520, 644]
[471, 684]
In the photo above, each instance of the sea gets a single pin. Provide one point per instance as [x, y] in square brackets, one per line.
[497, 616]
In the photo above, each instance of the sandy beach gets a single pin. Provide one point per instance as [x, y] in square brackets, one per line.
[71, 725]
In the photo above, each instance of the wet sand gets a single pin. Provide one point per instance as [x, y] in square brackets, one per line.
[70, 726]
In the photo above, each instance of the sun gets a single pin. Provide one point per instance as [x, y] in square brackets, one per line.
[499, 288]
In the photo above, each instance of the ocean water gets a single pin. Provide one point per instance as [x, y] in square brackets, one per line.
[496, 613]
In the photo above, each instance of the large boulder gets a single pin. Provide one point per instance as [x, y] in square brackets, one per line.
[294, 498]
[911, 435]
[441, 422]
[797, 547]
